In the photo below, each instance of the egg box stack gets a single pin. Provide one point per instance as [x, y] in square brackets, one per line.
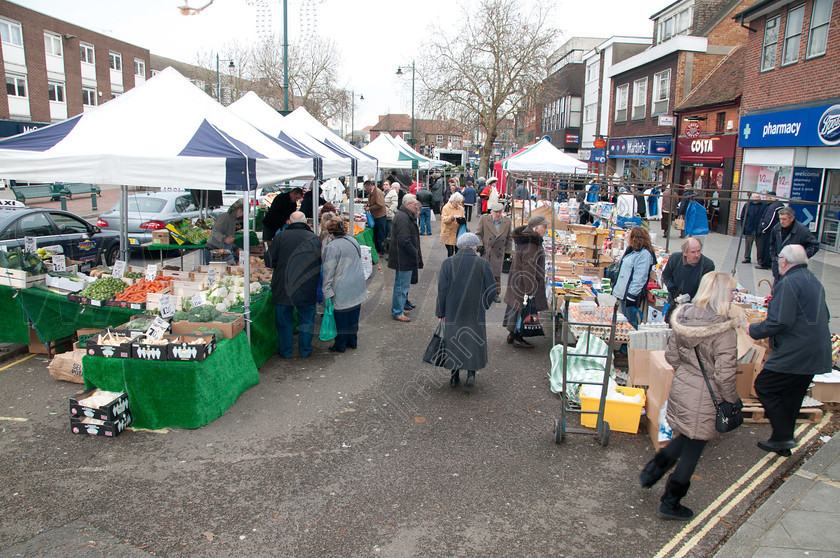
[99, 413]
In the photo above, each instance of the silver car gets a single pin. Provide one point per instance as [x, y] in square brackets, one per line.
[149, 212]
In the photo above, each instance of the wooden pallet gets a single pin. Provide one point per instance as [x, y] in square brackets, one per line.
[754, 413]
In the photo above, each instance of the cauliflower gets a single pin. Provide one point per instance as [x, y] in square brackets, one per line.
[220, 307]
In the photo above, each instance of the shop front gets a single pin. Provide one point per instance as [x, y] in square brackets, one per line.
[641, 158]
[707, 163]
[796, 153]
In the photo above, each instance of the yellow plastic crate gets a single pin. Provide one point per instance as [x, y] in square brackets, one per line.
[621, 415]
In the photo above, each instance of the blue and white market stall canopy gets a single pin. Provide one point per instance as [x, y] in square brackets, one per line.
[392, 155]
[366, 164]
[258, 113]
[163, 133]
[542, 157]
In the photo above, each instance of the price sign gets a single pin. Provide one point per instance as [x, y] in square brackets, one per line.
[198, 299]
[30, 244]
[119, 269]
[3, 247]
[211, 277]
[157, 329]
[167, 306]
[242, 261]
[59, 263]
[151, 272]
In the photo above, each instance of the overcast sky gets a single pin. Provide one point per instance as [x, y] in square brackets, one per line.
[374, 37]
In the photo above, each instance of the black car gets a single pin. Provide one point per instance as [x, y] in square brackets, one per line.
[52, 227]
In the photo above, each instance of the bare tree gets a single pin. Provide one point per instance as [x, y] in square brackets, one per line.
[233, 82]
[491, 63]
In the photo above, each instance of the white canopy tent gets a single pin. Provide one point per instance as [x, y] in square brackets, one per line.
[392, 155]
[163, 133]
[542, 157]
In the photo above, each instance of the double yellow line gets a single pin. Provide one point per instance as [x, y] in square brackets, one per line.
[733, 496]
[27, 357]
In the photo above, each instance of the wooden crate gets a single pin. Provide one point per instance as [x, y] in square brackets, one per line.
[18, 279]
[754, 413]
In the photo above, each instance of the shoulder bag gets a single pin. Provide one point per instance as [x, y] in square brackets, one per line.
[436, 351]
[728, 415]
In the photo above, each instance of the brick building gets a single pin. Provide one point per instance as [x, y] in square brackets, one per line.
[790, 110]
[690, 39]
[707, 136]
[55, 70]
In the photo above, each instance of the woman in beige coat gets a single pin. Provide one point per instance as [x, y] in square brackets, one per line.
[705, 325]
[451, 218]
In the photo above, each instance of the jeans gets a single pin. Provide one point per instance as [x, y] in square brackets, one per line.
[632, 313]
[285, 333]
[387, 229]
[426, 220]
[379, 234]
[347, 324]
[468, 211]
[402, 282]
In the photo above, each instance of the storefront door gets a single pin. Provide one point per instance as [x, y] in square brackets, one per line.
[830, 225]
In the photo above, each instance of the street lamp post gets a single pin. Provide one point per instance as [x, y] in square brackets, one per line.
[413, 75]
[353, 117]
[285, 56]
[218, 82]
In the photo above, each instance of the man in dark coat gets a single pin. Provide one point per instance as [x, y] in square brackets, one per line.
[295, 256]
[470, 197]
[684, 270]
[768, 220]
[800, 344]
[437, 187]
[790, 231]
[526, 277]
[466, 289]
[750, 219]
[495, 232]
[404, 256]
[279, 211]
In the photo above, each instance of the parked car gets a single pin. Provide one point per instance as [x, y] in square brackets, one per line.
[148, 212]
[78, 239]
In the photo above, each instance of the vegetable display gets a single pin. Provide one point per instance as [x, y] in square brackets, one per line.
[204, 314]
[103, 288]
[138, 291]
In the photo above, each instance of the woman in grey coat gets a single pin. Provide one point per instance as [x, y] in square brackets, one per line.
[703, 325]
[466, 289]
[344, 282]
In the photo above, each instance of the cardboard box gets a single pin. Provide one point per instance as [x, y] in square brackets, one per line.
[149, 351]
[826, 392]
[560, 224]
[36, 346]
[82, 335]
[639, 364]
[108, 412]
[160, 237]
[229, 330]
[188, 350]
[96, 427]
[122, 350]
[591, 271]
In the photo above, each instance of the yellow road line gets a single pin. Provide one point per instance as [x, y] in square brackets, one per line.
[14, 419]
[724, 497]
[27, 357]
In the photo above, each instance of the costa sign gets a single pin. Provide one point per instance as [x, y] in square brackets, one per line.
[707, 147]
[693, 129]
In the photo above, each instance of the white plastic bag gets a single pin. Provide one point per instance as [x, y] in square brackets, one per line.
[367, 261]
[666, 433]
[433, 218]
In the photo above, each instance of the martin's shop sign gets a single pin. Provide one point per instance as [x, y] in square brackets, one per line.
[709, 151]
[641, 148]
[814, 126]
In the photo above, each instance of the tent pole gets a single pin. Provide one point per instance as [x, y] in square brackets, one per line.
[316, 195]
[553, 288]
[246, 248]
[123, 225]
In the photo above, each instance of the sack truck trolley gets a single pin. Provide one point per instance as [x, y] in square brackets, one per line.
[602, 427]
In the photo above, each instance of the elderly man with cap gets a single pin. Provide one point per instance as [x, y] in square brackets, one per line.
[465, 292]
[496, 234]
[526, 278]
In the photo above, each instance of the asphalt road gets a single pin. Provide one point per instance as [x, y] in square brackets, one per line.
[368, 453]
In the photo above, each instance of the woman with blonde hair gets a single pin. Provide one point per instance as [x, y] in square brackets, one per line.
[451, 218]
[703, 332]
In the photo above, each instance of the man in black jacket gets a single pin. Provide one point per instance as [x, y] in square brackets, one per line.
[790, 231]
[768, 221]
[279, 211]
[684, 270]
[800, 343]
[295, 256]
[750, 219]
[404, 256]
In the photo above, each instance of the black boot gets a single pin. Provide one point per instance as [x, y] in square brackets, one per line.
[655, 469]
[455, 378]
[468, 383]
[671, 507]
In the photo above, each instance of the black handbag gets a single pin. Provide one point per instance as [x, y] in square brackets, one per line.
[436, 351]
[529, 324]
[728, 416]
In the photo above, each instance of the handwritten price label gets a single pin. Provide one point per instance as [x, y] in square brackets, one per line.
[211, 277]
[167, 306]
[198, 299]
[157, 329]
[151, 272]
[119, 269]
[59, 263]
[30, 244]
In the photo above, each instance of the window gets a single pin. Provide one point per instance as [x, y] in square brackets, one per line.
[818, 35]
[575, 105]
[793, 32]
[139, 68]
[115, 61]
[52, 44]
[668, 29]
[86, 53]
[56, 91]
[67, 224]
[34, 224]
[675, 24]
[639, 98]
[88, 96]
[720, 123]
[771, 38]
[10, 32]
[592, 71]
[15, 85]
[621, 102]
[590, 113]
[661, 92]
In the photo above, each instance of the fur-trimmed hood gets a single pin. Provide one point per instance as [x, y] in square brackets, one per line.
[524, 234]
[693, 325]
